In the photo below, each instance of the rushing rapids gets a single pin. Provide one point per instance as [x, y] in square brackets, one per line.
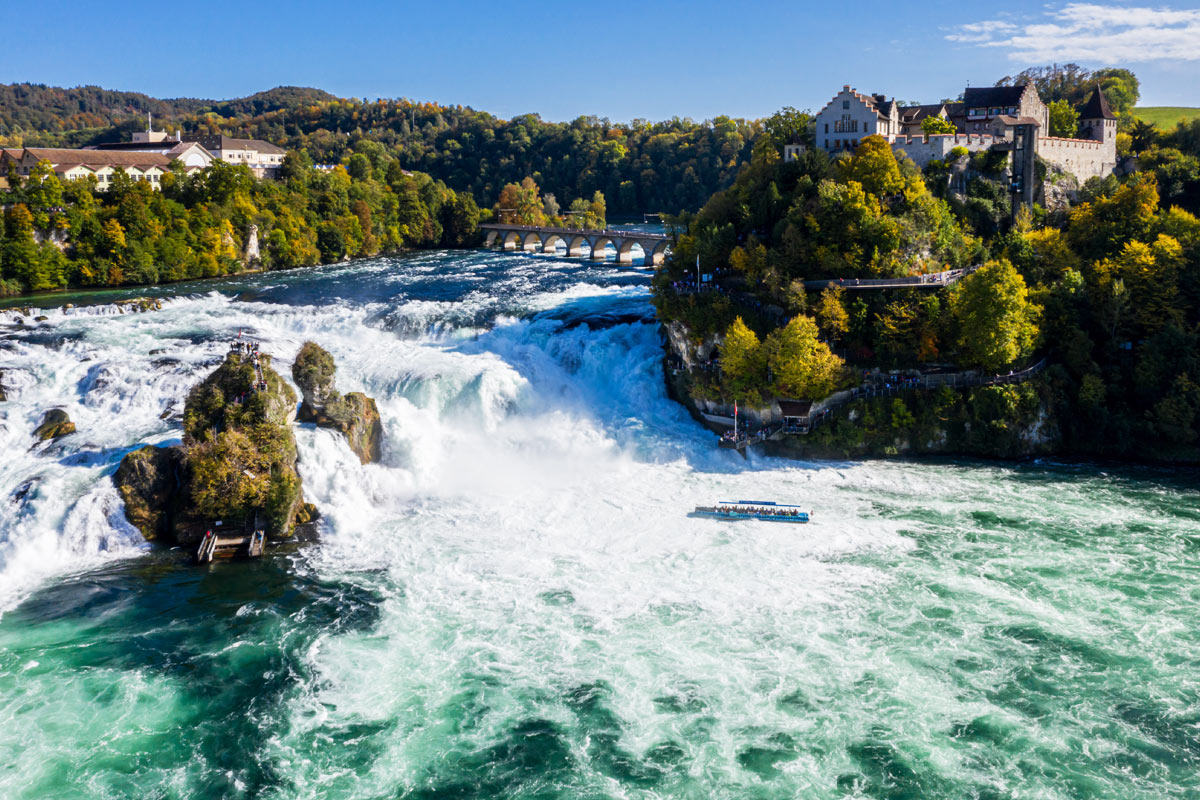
[512, 602]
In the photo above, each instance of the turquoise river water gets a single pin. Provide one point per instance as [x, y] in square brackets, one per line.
[514, 603]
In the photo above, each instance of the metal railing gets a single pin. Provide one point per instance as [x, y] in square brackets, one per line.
[610, 232]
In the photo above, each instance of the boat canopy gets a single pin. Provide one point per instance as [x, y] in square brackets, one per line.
[755, 503]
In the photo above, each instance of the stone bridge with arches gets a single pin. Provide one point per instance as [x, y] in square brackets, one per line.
[541, 239]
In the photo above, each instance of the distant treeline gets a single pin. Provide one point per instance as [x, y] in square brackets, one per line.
[639, 166]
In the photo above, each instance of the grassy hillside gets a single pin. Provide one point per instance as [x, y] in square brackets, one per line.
[1165, 117]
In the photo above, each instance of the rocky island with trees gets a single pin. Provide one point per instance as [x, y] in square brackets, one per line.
[237, 465]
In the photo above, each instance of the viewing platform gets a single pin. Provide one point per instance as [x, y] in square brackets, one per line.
[229, 545]
[541, 239]
[933, 280]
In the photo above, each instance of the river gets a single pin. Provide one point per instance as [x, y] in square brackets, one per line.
[514, 603]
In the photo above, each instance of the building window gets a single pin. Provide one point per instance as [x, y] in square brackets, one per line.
[846, 104]
[827, 127]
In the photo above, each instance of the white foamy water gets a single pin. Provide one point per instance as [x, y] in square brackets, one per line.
[513, 603]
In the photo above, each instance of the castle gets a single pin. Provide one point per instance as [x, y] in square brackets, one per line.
[985, 119]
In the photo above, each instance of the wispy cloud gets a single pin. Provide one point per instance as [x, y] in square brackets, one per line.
[1091, 32]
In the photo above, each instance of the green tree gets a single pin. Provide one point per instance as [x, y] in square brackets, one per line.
[743, 363]
[936, 124]
[831, 312]
[1064, 119]
[874, 166]
[801, 364]
[997, 323]
[789, 126]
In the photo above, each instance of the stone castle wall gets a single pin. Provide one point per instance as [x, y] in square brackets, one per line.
[923, 149]
[1082, 158]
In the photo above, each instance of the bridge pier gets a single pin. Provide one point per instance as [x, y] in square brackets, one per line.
[599, 248]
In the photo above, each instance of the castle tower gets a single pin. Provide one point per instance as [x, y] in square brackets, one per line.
[1096, 120]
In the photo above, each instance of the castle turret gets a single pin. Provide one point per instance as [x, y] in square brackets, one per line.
[1097, 121]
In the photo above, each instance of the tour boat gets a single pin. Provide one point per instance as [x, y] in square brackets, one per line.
[752, 509]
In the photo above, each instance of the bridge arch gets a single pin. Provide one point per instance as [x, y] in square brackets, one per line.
[550, 245]
[491, 238]
[625, 250]
[575, 245]
[511, 240]
[599, 245]
[531, 242]
[655, 253]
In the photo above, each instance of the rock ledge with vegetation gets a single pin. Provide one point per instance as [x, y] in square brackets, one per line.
[353, 414]
[237, 463]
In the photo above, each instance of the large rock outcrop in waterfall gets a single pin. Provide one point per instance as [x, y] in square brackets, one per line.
[354, 414]
[237, 463]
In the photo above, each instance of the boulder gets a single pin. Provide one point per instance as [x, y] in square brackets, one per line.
[3, 392]
[146, 481]
[355, 415]
[55, 423]
[313, 372]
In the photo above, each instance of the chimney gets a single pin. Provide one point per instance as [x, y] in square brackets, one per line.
[178, 135]
[846, 88]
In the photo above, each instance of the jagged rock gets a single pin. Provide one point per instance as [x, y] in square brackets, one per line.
[252, 253]
[40, 318]
[307, 513]
[139, 304]
[355, 415]
[55, 423]
[146, 481]
[236, 466]
[3, 391]
[313, 371]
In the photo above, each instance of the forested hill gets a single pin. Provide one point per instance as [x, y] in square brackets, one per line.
[52, 115]
[640, 166]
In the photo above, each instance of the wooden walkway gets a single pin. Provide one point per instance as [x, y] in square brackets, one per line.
[229, 545]
[934, 280]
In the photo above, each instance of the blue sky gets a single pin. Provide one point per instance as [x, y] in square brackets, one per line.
[650, 59]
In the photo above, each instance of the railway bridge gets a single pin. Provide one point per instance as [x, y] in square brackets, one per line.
[543, 239]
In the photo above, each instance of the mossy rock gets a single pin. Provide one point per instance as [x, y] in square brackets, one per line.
[55, 423]
[355, 415]
[146, 481]
[227, 398]
[313, 371]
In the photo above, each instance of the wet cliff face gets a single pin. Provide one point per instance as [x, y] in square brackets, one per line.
[355, 415]
[237, 463]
